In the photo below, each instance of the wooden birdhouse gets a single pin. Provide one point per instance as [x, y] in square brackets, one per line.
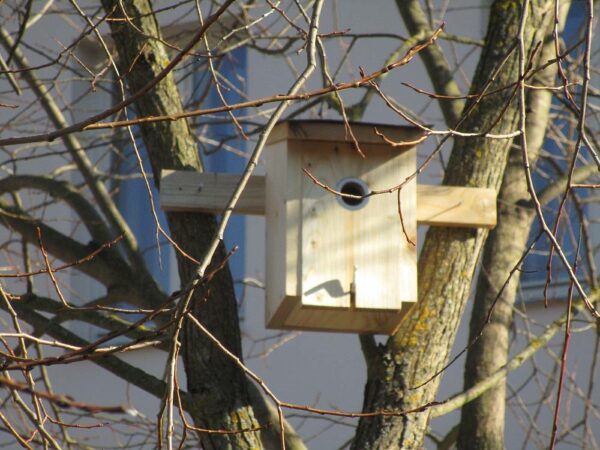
[340, 241]
[334, 262]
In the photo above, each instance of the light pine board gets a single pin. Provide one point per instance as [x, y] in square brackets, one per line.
[334, 131]
[282, 229]
[182, 190]
[453, 206]
[291, 315]
[362, 249]
[436, 205]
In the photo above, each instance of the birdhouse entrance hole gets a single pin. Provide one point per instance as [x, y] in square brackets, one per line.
[355, 187]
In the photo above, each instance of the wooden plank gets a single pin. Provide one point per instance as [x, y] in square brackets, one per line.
[436, 205]
[283, 222]
[451, 206]
[334, 131]
[209, 192]
[291, 315]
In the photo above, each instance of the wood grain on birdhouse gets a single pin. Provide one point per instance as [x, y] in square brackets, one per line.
[336, 263]
[327, 253]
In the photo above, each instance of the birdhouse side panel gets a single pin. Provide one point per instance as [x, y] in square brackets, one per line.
[282, 208]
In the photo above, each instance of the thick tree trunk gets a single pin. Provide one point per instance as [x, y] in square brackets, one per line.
[482, 420]
[449, 256]
[216, 384]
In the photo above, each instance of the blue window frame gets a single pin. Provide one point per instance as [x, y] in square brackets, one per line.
[133, 198]
[134, 203]
[221, 148]
[550, 164]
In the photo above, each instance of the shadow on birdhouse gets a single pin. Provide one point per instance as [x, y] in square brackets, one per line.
[338, 257]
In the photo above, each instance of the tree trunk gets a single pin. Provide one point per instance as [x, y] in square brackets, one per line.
[482, 420]
[449, 256]
[217, 386]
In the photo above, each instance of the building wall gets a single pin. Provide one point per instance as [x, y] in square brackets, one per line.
[327, 369]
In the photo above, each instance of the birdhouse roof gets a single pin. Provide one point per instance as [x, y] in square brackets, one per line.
[335, 131]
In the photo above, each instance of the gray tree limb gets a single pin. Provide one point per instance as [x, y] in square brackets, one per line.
[220, 391]
[482, 420]
[435, 62]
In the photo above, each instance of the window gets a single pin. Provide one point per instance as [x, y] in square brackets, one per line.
[553, 163]
[221, 148]
[134, 203]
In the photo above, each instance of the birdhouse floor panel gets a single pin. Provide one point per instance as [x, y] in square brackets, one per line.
[293, 316]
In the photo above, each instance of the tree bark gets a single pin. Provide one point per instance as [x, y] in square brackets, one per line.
[482, 420]
[217, 386]
[449, 256]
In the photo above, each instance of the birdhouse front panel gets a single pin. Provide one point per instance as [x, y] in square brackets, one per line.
[328, 254]
[354, 253]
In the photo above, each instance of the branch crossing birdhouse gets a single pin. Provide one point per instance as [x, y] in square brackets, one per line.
[340, 242]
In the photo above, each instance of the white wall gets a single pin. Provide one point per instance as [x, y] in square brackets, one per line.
[321, 369]
[327, 370]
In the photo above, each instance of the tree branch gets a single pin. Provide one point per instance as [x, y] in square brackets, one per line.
[78, 154]
[112, 363]
[517, 361]
[114, 273]
[435, 62]
[62, 190]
